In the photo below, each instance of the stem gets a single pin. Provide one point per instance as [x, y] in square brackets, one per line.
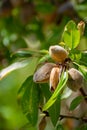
[73, 117]
[84, 119]
[84, 94]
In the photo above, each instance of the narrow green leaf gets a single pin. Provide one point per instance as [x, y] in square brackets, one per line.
[30, 100]
[53, 98]
[75, 102]
[71, 35]
[29, 52]
[54, 110]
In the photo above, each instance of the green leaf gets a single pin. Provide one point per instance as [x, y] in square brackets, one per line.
[30, 100]
[75, 102]
[71, 35]
[75, 55]
[54, 110]
[44, 58]
[59, 127]
[83, 70]
[29, 52]
[83, 60]
[14, 66]
[45, 90]
[78, 56]
[19, 65]
[61, 85]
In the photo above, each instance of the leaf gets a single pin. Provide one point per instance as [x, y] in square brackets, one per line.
[71, 35]
[78, 56]
[30, 100]
[16, 66]
[83, 60]
[54, 110]
[83, 70]
[13, 67]
[59, 127]
[44, 58]
[45, 89]
[75, 102]
[29, 52]
[61, 85]
[75, 55]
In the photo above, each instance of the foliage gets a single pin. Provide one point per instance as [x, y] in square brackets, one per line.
[34, 34]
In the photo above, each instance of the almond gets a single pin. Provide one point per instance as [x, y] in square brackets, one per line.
[58, 53]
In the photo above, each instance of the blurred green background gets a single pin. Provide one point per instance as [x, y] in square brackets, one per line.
[34, 24]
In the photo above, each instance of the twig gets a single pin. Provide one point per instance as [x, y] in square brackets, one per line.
[84, 119]
[84, 94]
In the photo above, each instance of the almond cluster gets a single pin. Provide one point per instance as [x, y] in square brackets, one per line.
[51, 72]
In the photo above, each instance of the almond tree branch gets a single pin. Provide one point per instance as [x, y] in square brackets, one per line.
[84, 119]
[83, 94]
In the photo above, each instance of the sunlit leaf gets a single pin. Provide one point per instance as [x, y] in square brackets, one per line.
[75, 102]
[16, 66]
[61, 85]
[71, 35]
[30, 100]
